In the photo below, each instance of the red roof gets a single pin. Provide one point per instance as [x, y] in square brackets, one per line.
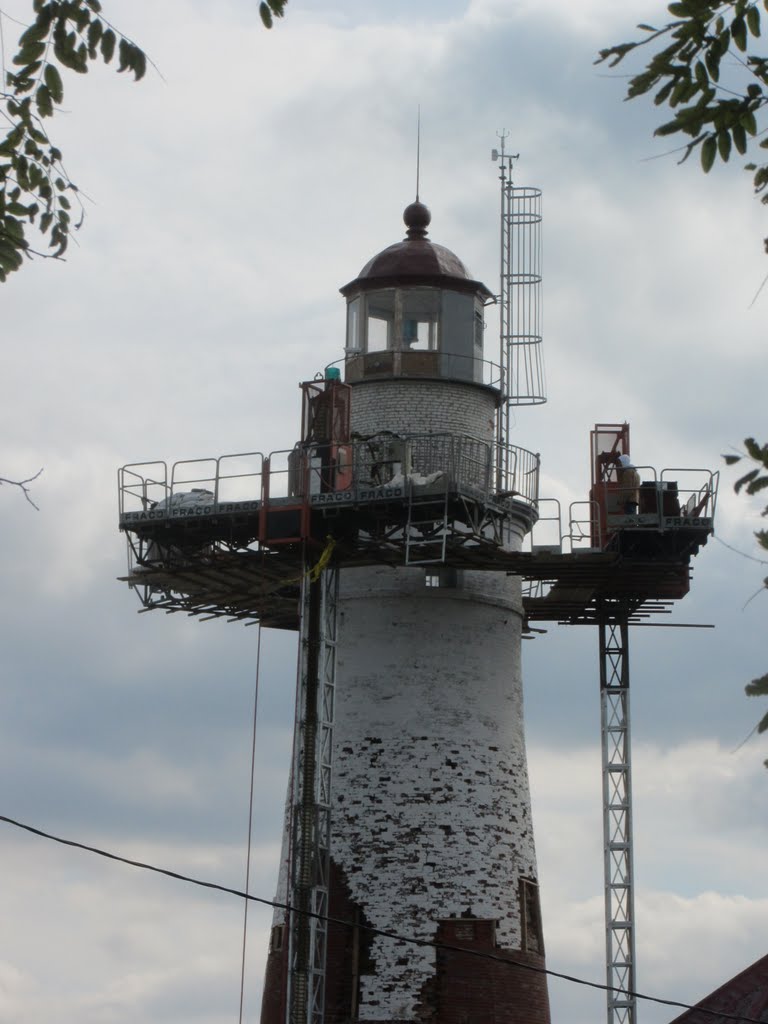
[745, 995]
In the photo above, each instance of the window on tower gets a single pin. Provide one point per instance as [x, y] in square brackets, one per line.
[415, 331]
[533, 938]
[419, 316]
[276, 939]
[380, 321]
[353, 325]
[444, 577]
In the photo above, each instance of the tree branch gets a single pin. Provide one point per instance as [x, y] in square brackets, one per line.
[23, 485]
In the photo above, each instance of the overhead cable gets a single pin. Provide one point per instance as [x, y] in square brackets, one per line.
[428, 943]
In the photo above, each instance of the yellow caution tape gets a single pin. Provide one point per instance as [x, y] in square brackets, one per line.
[323, 560]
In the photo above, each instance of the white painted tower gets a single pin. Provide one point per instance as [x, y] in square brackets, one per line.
[431, 834]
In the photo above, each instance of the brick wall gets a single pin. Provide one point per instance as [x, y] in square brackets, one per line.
[473, 990]
[422, 407]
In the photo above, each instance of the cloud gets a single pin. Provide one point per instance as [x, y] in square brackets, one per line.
[231, 200]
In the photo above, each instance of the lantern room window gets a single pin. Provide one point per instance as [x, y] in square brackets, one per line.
[413, 319]
[353, 325]
[415, 331]
[380, 309]
[420, 314]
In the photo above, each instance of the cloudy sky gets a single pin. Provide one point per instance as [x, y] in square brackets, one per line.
[230, 197]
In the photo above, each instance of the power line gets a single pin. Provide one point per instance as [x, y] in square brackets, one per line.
[481, 954]
[250, 822]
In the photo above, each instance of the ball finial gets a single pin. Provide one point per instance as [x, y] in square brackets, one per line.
[417, 218]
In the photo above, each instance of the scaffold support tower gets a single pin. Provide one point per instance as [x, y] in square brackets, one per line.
[617, 820]
[311, 803]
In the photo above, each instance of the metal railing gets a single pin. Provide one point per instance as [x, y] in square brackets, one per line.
[401, 364]
[352, 471]
[546, 533]
[420, 460]
[672, 499]
[583, 528]
[151, 486]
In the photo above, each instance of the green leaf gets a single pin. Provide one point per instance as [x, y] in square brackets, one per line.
[739, 33]
[15, 229]
[37, 31]
[31, 51]
[748, 122]
[27, 73]
[731, 460]
[266, 15]
[10, 258]
[44, 101]
[139, 67]
[708, 153]
[724, 145]
[753, 20]
[12, 140]
[758, 687]
[747, 478]
[125, 55]
[756, 451]
[81, 59]
[739, 138]
[108, 41]
[712, 60]
[663, 93]
[64, 49]
[54, 83]
[95, 30]
[679, 93]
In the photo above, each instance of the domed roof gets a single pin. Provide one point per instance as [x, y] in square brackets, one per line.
[416, 260]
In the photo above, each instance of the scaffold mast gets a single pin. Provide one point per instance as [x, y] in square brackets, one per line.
[618, 849]
[520, 347]
[311, 796]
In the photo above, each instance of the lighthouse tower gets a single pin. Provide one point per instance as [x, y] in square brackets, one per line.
[430, 818]
[390, 536]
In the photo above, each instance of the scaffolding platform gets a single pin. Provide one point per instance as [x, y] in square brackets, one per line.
[231, 537]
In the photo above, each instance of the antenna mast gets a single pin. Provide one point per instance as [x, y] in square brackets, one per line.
[520, 352]
[418, 149]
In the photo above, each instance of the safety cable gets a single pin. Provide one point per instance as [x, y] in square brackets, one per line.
[428, 943]
[314, 571]
[250, 823]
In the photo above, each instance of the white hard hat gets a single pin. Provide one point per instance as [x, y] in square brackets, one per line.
[625, 462]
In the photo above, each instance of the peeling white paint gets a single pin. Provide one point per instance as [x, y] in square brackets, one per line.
[431, 806]
[431, 801]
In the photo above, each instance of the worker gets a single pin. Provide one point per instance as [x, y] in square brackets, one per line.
[628, 479]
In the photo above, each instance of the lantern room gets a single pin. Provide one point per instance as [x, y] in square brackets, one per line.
[415, 311]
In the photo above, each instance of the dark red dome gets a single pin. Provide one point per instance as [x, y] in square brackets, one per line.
[416, 260]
